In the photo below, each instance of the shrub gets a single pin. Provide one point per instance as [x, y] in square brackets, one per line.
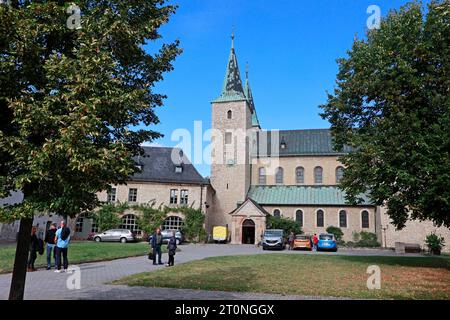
[286, 224]
[337, 233]
[368, 239]
[356, 236]
[434, 243]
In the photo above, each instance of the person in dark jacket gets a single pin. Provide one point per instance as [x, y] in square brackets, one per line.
[172, 248]
[156, 243]
[34, 246]
[50, 245]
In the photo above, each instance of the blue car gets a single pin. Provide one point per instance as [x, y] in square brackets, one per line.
[327, 241]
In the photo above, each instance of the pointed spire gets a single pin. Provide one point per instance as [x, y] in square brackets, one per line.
[232, 89]
[247, 89]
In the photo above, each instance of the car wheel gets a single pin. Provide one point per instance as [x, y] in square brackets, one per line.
[123, 240]
[264, 248]
[97, 239]
[177, 241]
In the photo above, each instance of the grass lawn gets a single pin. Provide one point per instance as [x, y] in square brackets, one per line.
[81, 251]
[338, 276]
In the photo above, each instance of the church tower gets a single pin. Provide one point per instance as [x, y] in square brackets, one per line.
[233, 117]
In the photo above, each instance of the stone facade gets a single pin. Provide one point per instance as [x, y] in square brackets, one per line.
[329, 164]
[331, 218]
[230, 168]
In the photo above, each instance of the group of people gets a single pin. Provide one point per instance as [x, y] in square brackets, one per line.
[314, 240]
[156, 242]
[56, 241]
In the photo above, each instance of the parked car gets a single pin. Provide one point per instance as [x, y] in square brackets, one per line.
[273, 239]
[327, 241]
[167, 234]
[122, 235]
[302, 241]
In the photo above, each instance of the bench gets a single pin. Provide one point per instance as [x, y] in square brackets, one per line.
[402, 247]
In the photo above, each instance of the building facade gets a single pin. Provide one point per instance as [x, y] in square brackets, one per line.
[254, 172]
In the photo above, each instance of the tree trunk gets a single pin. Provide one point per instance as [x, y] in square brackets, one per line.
[20, 261]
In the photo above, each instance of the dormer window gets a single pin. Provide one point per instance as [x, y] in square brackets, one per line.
[178, 169]
[283, 144]
[139, 167]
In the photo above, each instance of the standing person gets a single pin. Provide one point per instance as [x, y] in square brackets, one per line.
[34, 246]
[172, 248]
[291, 240]
[50, 242]
[157, 240]
[315, 242]
[62, 239]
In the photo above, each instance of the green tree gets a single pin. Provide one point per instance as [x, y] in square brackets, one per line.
[107, 215]
[391, 105]
[70, 100]
[286, 224]
[338, 234]
[150, 217]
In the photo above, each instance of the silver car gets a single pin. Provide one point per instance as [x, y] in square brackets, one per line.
[122, 235]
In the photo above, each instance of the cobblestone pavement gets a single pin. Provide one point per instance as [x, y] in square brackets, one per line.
[45, 284]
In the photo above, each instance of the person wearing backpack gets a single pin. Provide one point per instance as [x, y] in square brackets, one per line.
[172, 248]
[62, 239]
[34, 247]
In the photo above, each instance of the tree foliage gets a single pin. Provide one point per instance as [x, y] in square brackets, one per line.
[70, 100]
[391, 105]
[286, 224]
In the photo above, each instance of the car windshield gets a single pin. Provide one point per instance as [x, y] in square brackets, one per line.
[273, 233]
[326, 237]
[302, 237]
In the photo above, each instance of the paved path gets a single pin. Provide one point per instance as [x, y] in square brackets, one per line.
[45, 284]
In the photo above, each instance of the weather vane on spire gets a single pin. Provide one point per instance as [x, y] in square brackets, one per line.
[246, 70]
[232, 36]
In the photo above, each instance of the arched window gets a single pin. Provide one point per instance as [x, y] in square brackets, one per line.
[318, 174]
[173, 223]
[299, 217]
[339, 174]
[365, 219]
[279, 175]
[320, 219]
[262, 175]
[229, 114]
[129, 222]
[300, 175]
[277, 213]
[343, 219]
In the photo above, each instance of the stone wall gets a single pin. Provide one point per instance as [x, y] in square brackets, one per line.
[331, 215]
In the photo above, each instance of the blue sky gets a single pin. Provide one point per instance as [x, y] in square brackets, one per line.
[291, 47]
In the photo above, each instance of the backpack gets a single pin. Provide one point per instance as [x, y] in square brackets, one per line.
[40, 246]
[65, 233]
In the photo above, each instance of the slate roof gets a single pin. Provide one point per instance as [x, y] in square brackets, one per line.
[158, 165]
[301, 195]
[298, 142]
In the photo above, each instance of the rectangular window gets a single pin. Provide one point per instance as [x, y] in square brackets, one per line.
[79, 224]
[173, 196]
[111, 197]
[184, 197]
[132, 195]
[178, 169]
[94, 227]
[228, 137]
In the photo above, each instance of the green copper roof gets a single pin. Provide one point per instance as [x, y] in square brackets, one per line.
[232, 89]
[301, 195]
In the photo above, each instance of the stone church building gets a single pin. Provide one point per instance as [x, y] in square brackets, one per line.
[254, 172]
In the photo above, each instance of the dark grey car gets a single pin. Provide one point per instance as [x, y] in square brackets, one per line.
[122, 235]
[167, 234]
